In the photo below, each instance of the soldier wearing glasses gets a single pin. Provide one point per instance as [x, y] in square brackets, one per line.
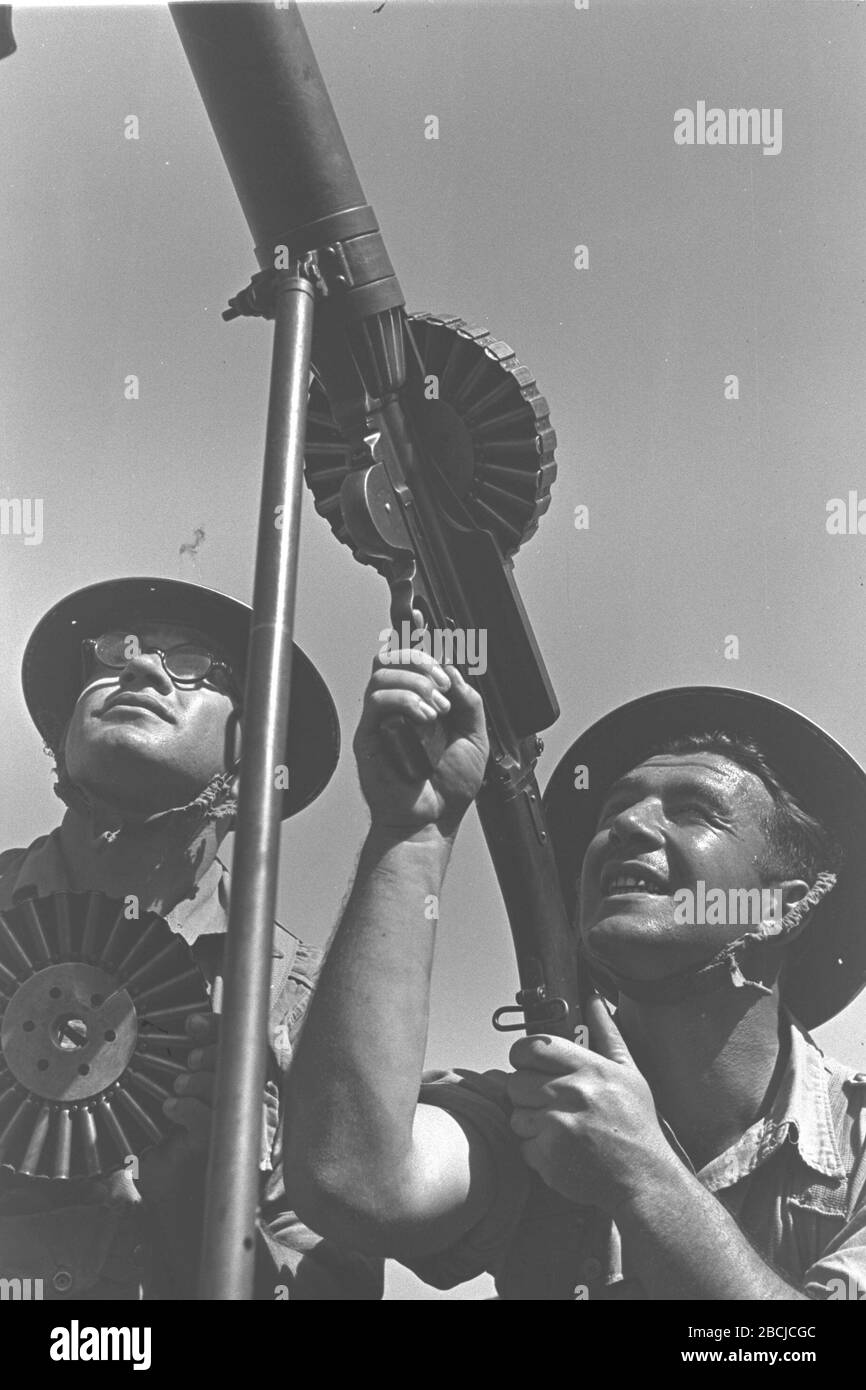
[135, 686]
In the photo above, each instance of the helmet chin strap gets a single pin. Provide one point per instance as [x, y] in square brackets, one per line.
[741, 964]
[217, 802]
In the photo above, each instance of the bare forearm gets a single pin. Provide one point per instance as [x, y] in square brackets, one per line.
[364, 1163]
[353, 1085]
[682, 1244]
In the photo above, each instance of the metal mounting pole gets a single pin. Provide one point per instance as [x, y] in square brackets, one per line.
[228, 1247]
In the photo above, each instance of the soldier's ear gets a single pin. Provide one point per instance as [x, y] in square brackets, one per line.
[56, 748]
[791, 891]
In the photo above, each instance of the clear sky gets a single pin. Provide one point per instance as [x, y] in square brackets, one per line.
[556, 128]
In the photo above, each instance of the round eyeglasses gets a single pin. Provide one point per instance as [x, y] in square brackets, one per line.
[188, 663]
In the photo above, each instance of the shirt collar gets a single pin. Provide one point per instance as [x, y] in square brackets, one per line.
[802, 1105]
[36, 871]
[800, 1112]
[42, 871]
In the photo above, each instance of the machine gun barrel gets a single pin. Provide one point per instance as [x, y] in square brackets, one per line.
[271, 113]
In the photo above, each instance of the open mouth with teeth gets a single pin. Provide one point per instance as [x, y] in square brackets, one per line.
[628, 883]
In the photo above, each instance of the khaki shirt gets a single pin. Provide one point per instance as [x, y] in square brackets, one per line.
[94, 1238]
[795, 1182]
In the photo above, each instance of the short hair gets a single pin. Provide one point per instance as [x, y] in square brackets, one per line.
[799, 845]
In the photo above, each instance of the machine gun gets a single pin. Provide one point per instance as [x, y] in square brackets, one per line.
[429, 450]
[438, 495]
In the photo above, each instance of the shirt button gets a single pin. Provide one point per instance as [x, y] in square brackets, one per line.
[62, 1281]
[591, 1269]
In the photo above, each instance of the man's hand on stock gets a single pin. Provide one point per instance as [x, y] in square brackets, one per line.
[589, 1128]
[413, 686]
[587, 1118]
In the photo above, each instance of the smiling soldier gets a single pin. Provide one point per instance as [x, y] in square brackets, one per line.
[135, 686]
[704, 1146]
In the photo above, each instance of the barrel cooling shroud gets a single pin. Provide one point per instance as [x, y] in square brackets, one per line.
[488, 433]
[93, 1007]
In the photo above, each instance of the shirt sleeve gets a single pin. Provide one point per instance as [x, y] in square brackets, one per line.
[479, 1103]
[290, 998]
[291, 992]
[840, 1273]
[10, 863]
[294, 1264]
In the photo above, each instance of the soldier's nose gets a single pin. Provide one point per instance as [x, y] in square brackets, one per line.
[146, 669]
